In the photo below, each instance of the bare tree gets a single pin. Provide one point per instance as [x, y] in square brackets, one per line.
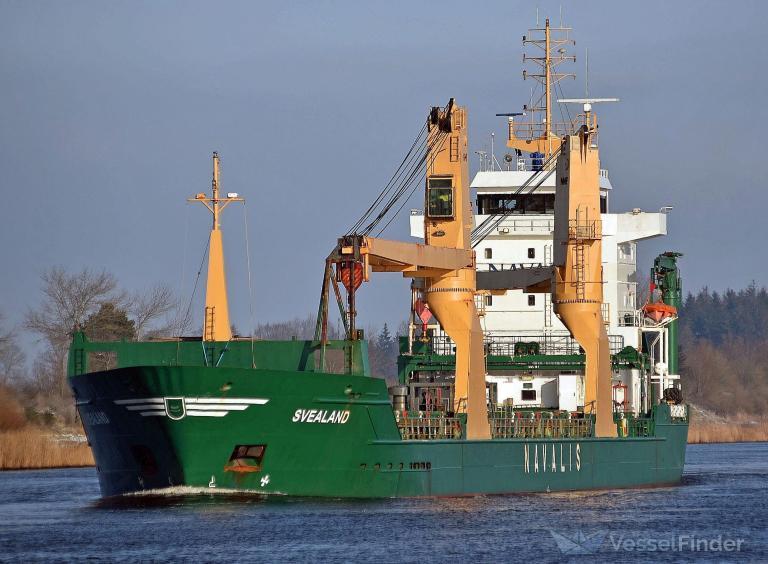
[46, 373]
[643, 288]
[68, 300]
[301, 328]
[12, 358]
[146, 307]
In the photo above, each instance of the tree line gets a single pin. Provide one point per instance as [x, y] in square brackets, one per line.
[723, 350]
[383, 345]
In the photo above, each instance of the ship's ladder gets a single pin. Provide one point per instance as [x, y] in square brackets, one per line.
[79, 361]
[209, 319]
[454, 149]
[580, 266]
[208, 335]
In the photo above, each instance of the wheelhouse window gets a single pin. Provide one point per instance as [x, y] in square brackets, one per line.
[505, 204]
[488, 253]
[528, 395]
[531, 300]
[440, 197]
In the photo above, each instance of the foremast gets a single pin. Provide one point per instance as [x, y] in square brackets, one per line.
[216, 326]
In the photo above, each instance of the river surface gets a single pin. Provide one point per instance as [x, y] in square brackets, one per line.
[719, 513]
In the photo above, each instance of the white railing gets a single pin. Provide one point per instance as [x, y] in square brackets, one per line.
[517, 224]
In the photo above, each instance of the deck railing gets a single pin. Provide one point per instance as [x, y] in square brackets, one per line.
[504, 345]
[520, 425]
[428, 426]
[504, 425]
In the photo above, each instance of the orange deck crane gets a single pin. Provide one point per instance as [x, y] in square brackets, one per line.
[446, 261]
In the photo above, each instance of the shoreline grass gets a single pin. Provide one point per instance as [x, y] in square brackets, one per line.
[34, 448]
[728, 432]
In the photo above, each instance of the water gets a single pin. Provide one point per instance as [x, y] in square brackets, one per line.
[56, 515]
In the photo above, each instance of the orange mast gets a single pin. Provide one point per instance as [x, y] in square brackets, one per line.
[216, 326]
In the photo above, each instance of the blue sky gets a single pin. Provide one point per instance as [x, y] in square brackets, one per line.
[109, 112]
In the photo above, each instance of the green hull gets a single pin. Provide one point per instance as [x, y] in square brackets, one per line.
[154, 427]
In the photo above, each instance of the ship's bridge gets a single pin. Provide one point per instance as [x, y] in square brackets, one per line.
[497, 192]
[523, 239]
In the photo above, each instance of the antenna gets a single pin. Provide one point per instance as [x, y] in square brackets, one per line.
[547, 51]
[494, 162]
[586, 101]
[586, 72]
[482, 155]
[589, 119]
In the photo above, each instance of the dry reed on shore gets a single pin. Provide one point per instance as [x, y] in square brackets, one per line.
[728, 432]
[33, 447]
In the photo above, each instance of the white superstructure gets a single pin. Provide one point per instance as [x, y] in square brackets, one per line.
[514, 228]
[523, 239]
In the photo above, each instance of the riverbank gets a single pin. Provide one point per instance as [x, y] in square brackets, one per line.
[33, 447]
[728, 432]
[709, 427]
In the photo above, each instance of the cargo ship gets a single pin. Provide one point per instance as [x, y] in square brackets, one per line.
[218, 412]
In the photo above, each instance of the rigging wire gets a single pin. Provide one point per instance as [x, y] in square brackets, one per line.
[197, 280]
[567, 110]
[403, 184]
[422, 169]
[183, 276]
[400, 182]
[405, 164]
[250, 284]
[420, 139]
[411, 182]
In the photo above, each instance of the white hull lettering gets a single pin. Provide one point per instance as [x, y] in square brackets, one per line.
[554, 465]
[322, 416]
[527, 462]
[549, 461]
[578, 456]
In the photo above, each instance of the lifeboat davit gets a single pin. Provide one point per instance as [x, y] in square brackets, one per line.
[659, 311]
